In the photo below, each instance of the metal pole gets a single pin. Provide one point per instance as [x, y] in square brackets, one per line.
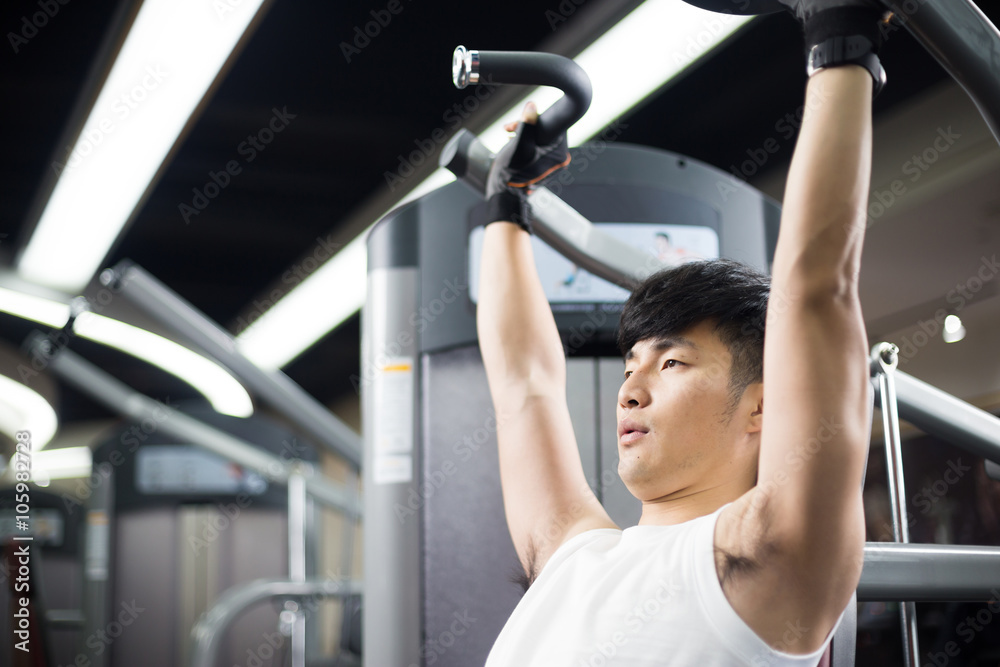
[939, 413]
[884, 359]
[965, 44]
[208, 633]
[275, 388]
[930, 573]
[297, 558]
[129, 403]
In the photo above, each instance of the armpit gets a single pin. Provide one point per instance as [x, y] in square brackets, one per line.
[526, 576]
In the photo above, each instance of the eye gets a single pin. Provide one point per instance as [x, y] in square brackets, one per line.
[672, 363]
[627, 373]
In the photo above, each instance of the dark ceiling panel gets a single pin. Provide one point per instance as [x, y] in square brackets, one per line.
[343, 125]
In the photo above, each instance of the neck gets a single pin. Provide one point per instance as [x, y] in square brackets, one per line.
[691, 503]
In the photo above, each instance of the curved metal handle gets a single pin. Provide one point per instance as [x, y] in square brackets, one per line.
[469, 67]
[965, 43]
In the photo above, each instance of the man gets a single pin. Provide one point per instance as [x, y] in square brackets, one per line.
[751, 538]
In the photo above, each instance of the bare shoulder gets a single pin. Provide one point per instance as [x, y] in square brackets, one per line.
[789, 594]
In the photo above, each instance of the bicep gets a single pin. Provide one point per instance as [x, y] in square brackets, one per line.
[816, 403]
[546, 496]
[813, 450]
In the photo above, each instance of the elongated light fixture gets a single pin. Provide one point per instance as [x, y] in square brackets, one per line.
[647, 48]
[167, 63]
[224, 393]
[62, 463]
[24, 409]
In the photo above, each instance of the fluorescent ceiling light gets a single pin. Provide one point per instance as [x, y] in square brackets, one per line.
[223, 392]
[24, 409]
[170, 57]
[647, 48]
[220, 388]
[30, 307]
[296, 327]
[63, 463]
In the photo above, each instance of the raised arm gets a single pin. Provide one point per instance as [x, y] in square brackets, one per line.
[807, 503]
[546, 495]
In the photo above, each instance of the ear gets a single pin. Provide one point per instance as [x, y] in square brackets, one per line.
[754, 395]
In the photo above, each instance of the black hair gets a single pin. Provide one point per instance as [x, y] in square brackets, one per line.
[729, 293]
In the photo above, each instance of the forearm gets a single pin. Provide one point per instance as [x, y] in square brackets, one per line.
[823, 217]
[518, 338]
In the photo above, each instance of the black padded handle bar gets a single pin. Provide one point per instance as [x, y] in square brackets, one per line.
[956, 32]
[529, 68]
[464, 155]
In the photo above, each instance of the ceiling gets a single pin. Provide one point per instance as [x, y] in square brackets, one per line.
[321, 180]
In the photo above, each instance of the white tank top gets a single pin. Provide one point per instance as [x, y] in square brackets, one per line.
[643, 596]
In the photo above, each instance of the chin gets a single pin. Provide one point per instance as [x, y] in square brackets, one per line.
[643, 484]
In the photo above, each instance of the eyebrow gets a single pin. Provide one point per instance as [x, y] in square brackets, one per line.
[665, 344]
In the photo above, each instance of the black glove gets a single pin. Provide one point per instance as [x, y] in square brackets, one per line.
[841, 32]
[519, 167]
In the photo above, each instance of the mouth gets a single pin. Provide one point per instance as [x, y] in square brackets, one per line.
[629, 432]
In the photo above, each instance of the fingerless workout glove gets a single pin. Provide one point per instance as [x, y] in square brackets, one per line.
[520, 166]
[841, 32]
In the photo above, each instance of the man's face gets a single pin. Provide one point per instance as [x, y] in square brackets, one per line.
[675, 429]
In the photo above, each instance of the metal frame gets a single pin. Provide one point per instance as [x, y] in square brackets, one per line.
[208, 632]
[906, 572]
[884, 359]
[129, 403]
[175, 314]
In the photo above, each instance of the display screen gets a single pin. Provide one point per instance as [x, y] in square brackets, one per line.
[566, 283]
[180, 469]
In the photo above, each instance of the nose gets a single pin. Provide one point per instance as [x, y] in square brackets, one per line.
[633, 392]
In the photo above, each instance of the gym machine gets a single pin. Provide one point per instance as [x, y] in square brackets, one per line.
[437, 553]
